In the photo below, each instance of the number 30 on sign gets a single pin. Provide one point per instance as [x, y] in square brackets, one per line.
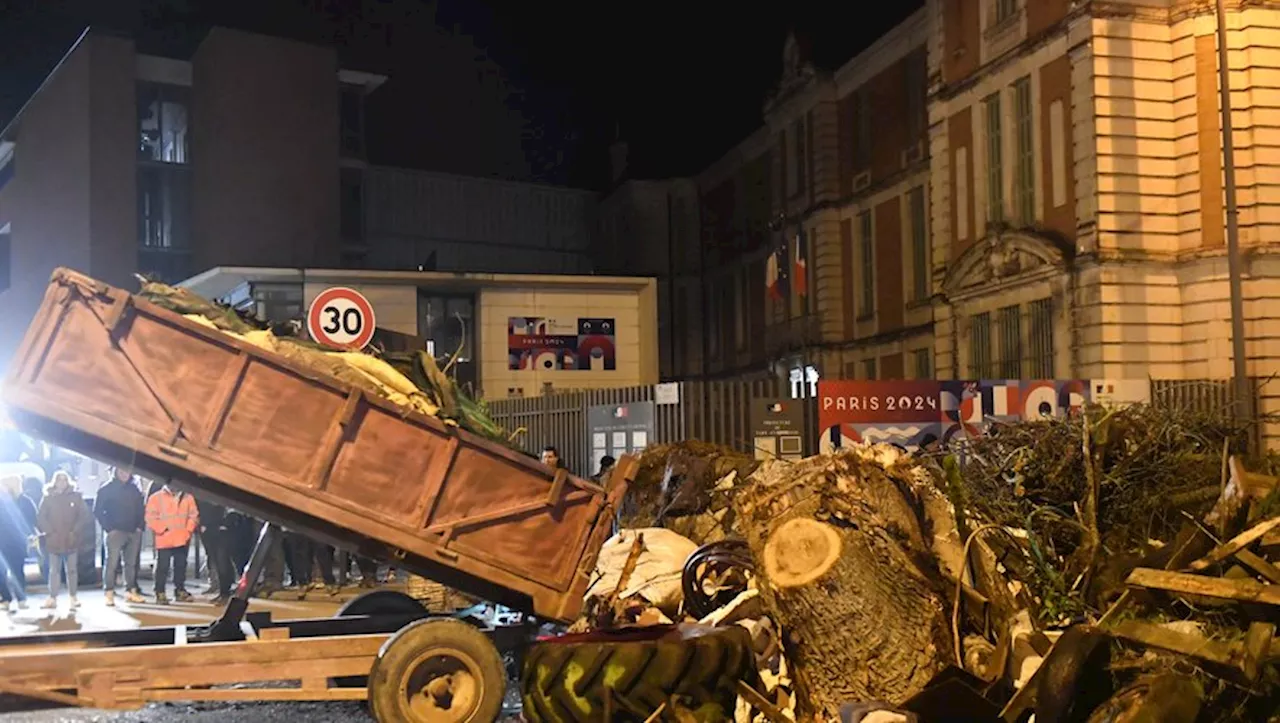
[341, 318]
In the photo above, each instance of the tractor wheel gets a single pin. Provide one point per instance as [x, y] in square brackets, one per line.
[437, 671]
[569, 679]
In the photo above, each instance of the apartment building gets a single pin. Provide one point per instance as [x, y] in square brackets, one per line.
[1078, 209]
[124, 162]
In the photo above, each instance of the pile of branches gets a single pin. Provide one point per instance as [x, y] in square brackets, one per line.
[680, 480]
[1088, 488]
[412, 379]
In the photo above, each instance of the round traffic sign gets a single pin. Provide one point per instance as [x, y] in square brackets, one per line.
[341, 318]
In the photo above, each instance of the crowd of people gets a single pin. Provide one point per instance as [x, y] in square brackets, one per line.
[52, 526]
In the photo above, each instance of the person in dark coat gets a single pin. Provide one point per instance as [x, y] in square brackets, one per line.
[121, 512]
[61, 516]
[216, 535]
[16, 528]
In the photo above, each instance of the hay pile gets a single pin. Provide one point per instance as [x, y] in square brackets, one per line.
[411, 380]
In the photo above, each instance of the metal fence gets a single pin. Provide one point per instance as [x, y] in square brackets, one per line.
[720, 412]
[717, 412]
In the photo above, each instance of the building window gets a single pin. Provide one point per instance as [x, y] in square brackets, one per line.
[917, 87]
[740, 307]
[1040, 339]
[995, 160]
[1005, 9]
[351, 121]
[868, 368]
[798, 137]
[164, 223]
[980, 357]
[163, 121]
[923, 363]
[862, 141]
[1009, 319]
[6, 259]
[1058, 153]
[1024, 186]
[351, 204]
[867, 307]
[919, 245]
[277, 303]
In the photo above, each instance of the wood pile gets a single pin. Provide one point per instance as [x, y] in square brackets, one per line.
[1114, 565]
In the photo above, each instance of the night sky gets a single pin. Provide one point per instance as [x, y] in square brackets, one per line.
[517, 89]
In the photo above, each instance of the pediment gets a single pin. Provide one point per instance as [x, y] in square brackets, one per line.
[1003, 258]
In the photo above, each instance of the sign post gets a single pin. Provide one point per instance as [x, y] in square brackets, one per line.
[341, 318]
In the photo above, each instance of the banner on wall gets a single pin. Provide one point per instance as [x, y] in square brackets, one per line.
[537, 343]
[926, 413]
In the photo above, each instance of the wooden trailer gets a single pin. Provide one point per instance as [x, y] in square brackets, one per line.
[117, 378]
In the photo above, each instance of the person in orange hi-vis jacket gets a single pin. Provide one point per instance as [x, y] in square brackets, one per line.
[172, 517]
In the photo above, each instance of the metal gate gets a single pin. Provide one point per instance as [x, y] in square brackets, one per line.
[717, 412]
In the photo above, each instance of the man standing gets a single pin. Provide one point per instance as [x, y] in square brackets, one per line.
[217, 543]
[172, 516]
[119, 509]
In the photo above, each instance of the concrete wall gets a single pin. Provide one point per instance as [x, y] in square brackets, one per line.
[264, 149]
[47, 203]
[635, 340]
[475, 225]
[113, 137]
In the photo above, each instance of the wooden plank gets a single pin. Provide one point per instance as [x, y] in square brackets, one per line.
[1177, 582]
[235, 672]
[59, 669]
[1259, 565]
[1239, 542]
[255, 694]
[1196, 646]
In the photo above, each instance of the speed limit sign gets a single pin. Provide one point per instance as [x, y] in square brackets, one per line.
[341, 318]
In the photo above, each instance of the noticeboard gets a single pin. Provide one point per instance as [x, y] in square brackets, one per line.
[777, 429]
[618, 429]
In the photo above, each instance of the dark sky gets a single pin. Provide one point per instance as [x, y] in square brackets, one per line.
[521, 89]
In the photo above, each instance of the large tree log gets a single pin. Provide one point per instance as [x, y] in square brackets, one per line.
[847, 575]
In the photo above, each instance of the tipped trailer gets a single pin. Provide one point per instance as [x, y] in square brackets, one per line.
[120, 379]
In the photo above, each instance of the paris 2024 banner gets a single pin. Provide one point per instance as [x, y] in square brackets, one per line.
[925, 413]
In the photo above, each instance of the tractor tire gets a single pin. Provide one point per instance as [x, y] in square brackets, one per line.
[437, 670]
[568, 679]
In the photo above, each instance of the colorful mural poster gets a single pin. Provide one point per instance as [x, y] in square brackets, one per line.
[927, 413]
[541, 343]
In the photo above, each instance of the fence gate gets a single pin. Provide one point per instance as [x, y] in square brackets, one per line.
[716, 412]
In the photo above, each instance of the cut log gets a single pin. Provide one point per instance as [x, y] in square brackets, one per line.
[849, 579]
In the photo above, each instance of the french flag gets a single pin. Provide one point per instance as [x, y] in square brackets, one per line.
[775, 274]
[800, 277]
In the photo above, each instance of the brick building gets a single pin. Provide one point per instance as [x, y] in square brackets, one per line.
[1077, 176]
[1002, 189]
[826, 180]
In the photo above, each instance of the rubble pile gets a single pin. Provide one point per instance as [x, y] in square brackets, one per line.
[412, 380]
[1113, 565]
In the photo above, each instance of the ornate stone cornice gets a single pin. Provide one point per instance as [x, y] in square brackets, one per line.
[1004, 258]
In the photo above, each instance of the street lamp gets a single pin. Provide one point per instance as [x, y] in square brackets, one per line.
[1243, 392]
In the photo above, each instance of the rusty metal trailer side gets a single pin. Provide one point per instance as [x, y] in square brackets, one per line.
[118, 378]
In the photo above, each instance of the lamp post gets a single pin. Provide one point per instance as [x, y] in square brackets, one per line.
[1243, 393]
